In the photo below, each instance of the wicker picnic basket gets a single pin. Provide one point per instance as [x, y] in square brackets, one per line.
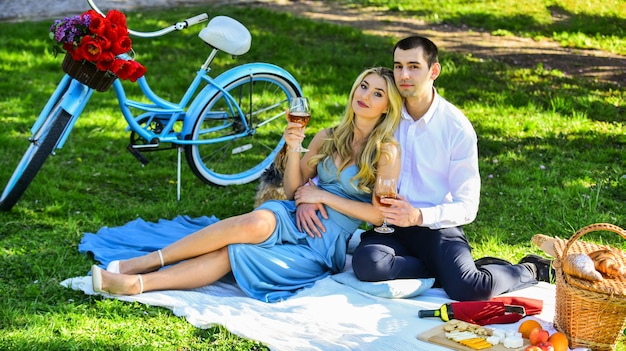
[590, 314]
[87, 73]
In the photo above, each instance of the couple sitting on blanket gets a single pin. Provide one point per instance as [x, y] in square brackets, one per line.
[285, 245]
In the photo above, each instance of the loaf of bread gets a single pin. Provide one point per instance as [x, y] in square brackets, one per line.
[545, 243]
[581, 266]
[607, 261]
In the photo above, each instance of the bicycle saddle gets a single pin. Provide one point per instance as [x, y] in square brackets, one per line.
[227, 34]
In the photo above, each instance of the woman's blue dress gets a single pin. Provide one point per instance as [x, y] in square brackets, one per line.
[290, 260]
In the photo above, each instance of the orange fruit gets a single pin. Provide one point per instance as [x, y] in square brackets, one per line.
[559, 341]
[527, 326]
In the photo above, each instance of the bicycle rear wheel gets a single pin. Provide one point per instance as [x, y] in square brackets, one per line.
[41, 146]
[240, 150]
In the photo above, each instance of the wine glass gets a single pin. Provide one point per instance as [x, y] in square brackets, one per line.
[385, 189]
[299, 112]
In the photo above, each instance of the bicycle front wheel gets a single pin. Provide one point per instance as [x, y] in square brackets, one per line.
[240, 147]
[41, 146]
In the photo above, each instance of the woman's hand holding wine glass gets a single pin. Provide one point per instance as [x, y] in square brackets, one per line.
[299, 112]
[385, 189]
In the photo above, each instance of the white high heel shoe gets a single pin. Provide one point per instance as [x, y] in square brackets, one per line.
[96, 280]
[114, 266]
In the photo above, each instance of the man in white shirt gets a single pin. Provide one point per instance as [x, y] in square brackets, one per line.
[439, 187]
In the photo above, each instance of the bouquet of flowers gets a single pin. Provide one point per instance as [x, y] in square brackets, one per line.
[102, 40]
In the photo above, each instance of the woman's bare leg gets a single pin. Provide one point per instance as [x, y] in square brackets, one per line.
[193, 273]
[251, 228]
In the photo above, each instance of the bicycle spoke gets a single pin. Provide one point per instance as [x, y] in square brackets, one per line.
[238, 150]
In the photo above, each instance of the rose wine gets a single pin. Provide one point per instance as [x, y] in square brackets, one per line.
[300, 117]
[385, 196]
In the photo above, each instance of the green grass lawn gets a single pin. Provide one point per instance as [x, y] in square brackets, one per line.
[551, 156]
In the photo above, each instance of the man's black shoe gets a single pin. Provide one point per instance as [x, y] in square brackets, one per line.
[540, 267]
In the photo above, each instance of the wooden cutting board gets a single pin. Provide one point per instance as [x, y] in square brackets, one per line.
[437, 336]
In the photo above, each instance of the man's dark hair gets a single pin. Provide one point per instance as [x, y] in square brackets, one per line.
[431, 53]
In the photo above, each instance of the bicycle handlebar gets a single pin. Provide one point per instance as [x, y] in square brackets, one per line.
[157, 33]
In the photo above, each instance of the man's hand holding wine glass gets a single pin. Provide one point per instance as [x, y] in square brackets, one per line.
[400, 212]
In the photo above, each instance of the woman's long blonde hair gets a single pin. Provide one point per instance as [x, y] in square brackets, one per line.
[340, 137]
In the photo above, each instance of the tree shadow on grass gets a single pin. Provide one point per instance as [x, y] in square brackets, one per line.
[562, 21]
[494, 83]
[592, 25]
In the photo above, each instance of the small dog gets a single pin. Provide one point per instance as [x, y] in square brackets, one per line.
[271, 181]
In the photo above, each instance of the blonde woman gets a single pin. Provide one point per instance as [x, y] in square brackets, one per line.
[269, 257]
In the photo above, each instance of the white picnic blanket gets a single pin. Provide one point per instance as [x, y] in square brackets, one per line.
[329, 316]
[326, 317]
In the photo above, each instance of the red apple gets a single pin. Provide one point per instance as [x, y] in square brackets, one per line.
[545, 346]
[538, 336]
[532, 348]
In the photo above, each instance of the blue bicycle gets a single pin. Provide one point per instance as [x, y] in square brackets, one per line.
[230, 127]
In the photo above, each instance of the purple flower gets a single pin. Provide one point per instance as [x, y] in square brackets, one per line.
[54, 25]
[70, 29]
[87, 20]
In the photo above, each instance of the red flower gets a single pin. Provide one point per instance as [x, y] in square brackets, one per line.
[90, 48]
[116, 17]
[122, 31]
[97, 25]
[69, 47]
[138, 72]
[121, 45]
[77, 55]
[104, 42]
[106, 61]
[122, 68]
[111, 33]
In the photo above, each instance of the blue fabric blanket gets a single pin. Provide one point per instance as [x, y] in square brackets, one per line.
[139, 237]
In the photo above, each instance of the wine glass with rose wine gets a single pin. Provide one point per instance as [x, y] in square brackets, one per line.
[299, 112]
[385, 189]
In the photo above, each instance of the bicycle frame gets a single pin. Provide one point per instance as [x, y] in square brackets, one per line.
[81, 95]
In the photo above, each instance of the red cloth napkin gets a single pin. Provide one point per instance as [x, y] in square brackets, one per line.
[494, 311]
